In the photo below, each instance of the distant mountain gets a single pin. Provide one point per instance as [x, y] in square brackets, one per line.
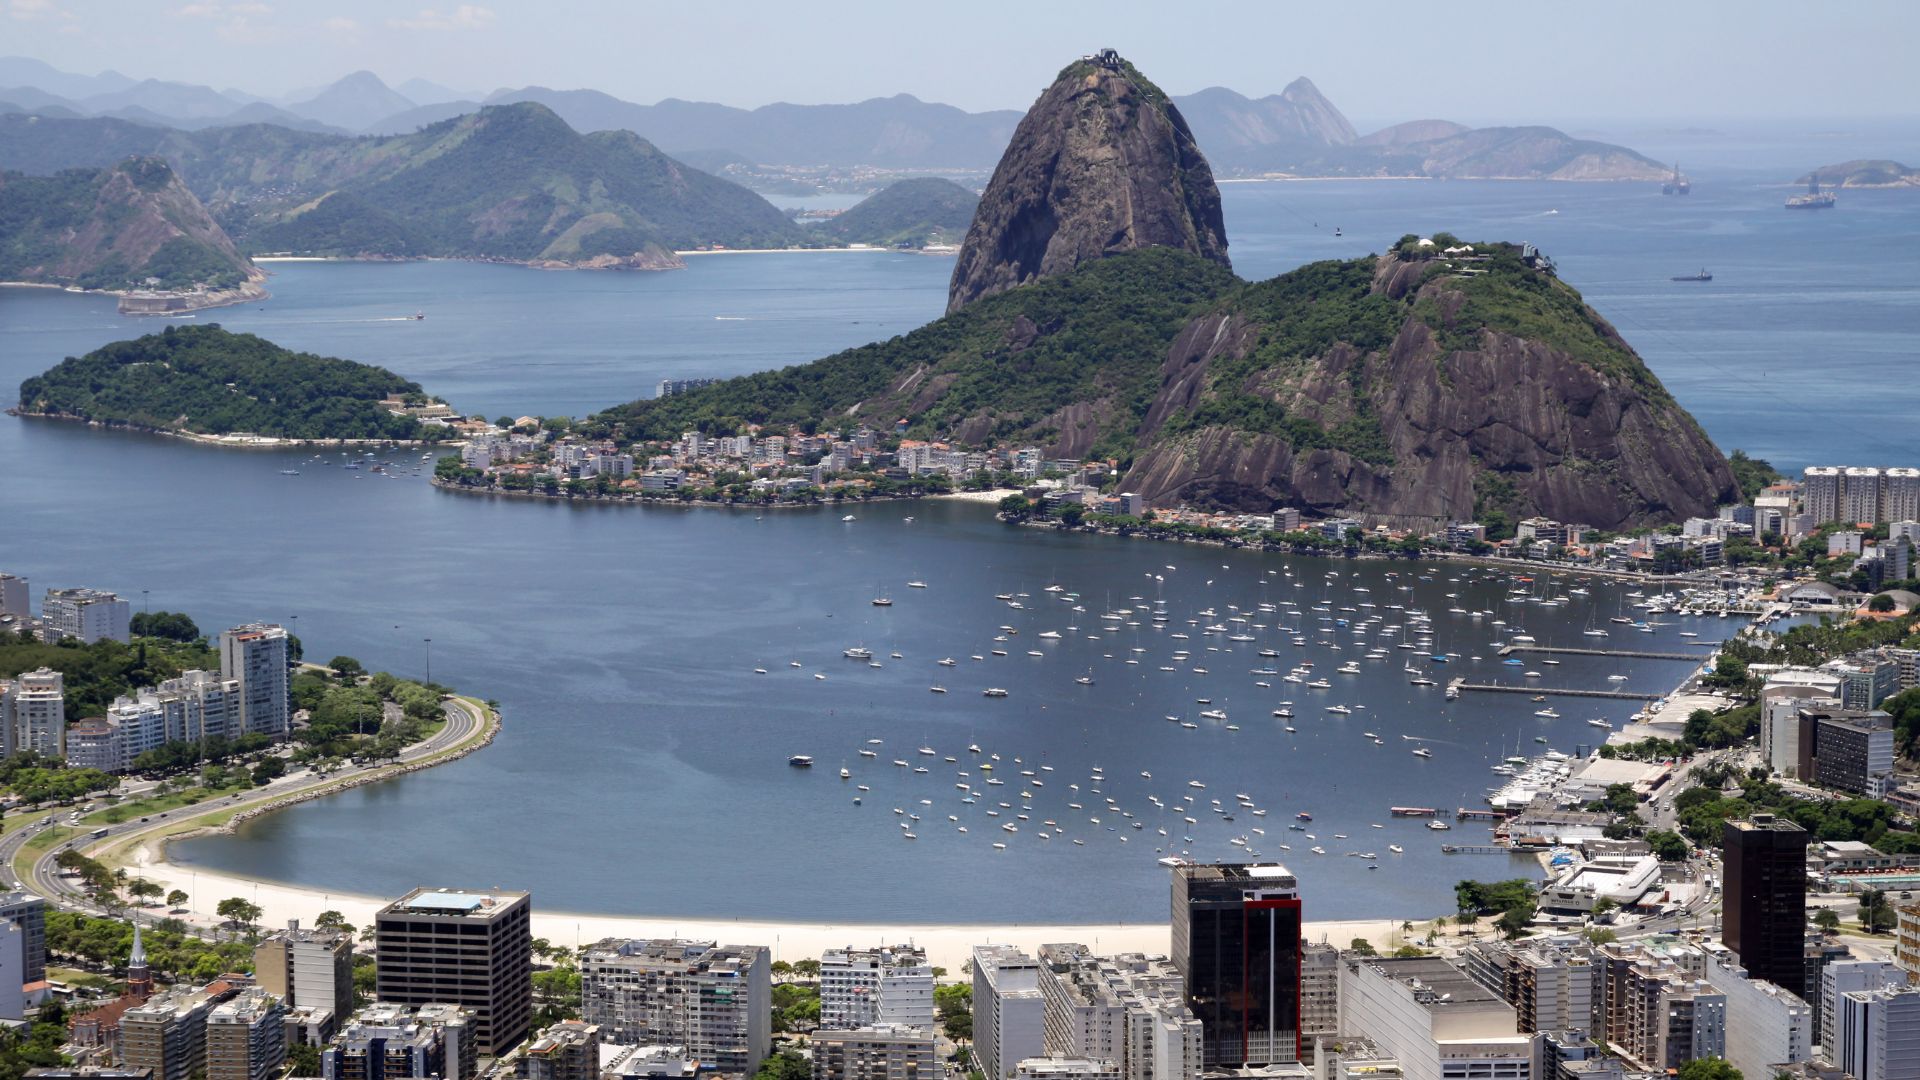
[353, 102]
[132, 225]
[510, 182]
[1413, 131]
[181, 100]
[1237, 131]
[407, 121]
[429, 93]
[907, 213]
[1865, 173]
[1526, 153]
[895, 132]
[261, 112]
[25, 71]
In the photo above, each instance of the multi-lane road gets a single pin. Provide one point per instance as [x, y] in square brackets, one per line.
[466, 722]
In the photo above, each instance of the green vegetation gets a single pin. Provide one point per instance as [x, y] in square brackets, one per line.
[38, 1049]
[347, 718]
[907, 213]
[1708, 1068]
[796, 1006]
[173, 954]
[33, 780]
[953, 1004]
[1720, 794]
[96, 228]
[164, 624]
[785, 1065]
[98, 673]
[1751, 473]
[1512, 900]
[209, 380]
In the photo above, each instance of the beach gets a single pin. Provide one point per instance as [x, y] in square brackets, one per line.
[992, 498]
[947, 945]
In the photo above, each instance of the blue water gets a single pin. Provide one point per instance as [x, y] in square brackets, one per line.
[643, 764]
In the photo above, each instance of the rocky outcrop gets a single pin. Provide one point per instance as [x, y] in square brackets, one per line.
[1102, 163]
[1454, 415]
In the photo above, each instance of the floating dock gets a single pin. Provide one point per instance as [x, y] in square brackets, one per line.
[1636, 654]
[1551, 691]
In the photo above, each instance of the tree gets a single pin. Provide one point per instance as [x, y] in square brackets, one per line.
[177, 899]
[239, 911]
[1514, 921]
[1667, 846]
[142, 889]
[303, 1059]
[1880, 604]
[1709, 1068]
[333, 920]
[786, 1065]
[953, 1003]
[268, 770]
[346, 668]
[1828, 920]
[1362, 946]
[1876, 911]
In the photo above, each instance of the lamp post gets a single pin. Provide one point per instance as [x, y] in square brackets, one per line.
[429, 642]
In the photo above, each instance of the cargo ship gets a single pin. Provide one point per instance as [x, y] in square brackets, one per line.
[1814, 199]
[1701, 276]
[1677, 184]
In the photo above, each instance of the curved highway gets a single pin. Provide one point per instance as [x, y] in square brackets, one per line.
[465, 722]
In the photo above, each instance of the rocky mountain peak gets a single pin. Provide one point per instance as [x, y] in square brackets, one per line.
[1102, 163]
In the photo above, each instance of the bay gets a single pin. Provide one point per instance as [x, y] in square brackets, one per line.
[643, 766]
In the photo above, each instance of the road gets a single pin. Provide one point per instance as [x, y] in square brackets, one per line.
[465, 721]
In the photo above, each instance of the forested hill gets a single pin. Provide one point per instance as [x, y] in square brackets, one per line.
[209, 381]
[909, 213]
[122, 227]
[1417, 386]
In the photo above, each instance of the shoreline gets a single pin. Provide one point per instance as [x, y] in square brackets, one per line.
[232, 441]
[196, 302]
[666, 499]
[948, 944]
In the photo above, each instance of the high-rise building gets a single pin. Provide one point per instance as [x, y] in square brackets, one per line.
[1766, 1024]
[877, 1052]
[1821, 495]
[1878, 1034]
[1765, 891]
[1434, 1020]
[1860, 495]
[1009, 1013]
[87, 615]
[246, 1037]
[714, 1000]
[307, 967]
[1128, 1009]
[38, 703]
[13, 962]
[15, 601]
[29, 912]
[863, 987]
[471, 949]
[1236, 942]
[1059, 1068]
[1843, 977]
[1900, 495]
[256, 656]
[1906, 951]
[1319, 997]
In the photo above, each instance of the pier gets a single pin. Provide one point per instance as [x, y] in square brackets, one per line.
[1496, 688]
[1473, 849]
[1636, 654]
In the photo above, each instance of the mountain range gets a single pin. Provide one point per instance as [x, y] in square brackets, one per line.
[1297, 132]
[1440, 381]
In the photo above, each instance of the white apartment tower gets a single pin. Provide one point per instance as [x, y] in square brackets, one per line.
[1879, 1034]
[1009, 1014]
[255, 656]
[38, 713]
[88, 615]
[1900, 495]
[864, 987]
[15, 601]
[714, 1000]
[1860, 494]
[1821, 496]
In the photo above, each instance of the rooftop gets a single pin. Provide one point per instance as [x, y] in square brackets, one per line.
[445, 902]
[1434, 981]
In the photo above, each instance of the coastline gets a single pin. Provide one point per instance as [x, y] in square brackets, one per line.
[238, 440]
[194, 302]
[666, 499]
[948, 944]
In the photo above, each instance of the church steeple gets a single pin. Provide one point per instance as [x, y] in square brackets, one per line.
[139, 979]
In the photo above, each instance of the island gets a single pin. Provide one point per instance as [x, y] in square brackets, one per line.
[1864, 173]
[925, 212]
[211, 385]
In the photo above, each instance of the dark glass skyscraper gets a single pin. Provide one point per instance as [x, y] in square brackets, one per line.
[1764, 918]
[1236, 942]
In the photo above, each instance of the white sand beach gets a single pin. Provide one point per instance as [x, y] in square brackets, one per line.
[947, 946]
[991, 497]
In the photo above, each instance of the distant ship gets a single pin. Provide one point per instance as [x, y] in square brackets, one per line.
[1814, 199]
[1703, 275]
[1677, 184]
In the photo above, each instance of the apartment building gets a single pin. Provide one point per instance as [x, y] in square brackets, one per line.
[168, 1033]
[876, 1052]
[305, 967]
[1056, 1068]
[255, 655]
[393, 1042]
[568, 1050]
[1657, 1013]
[36, 709]
[1236, 942]
[1432, 1019]
[1844, 977]
[1765, 885]
[1128, 1009]
[86, 615]
[1767, 1025]
[716, 1001]
[29, 912]
[1877, 1034]
[1009, 1012]
[470, 949]
[246, 1037]
[863, 987]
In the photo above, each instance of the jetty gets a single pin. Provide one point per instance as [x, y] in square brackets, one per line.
[1497, 688]
[1474, 849]
[1635, 654]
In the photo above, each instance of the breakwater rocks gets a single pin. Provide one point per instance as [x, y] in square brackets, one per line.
[490, 723]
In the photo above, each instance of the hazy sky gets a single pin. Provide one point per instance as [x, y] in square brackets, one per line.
[1541, 60]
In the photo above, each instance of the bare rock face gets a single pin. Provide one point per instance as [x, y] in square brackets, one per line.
[1102, 163]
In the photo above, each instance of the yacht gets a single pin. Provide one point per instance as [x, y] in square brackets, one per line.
[993, 691]
[858, 653]
[948, 662]
[800, 761]
[1423, 752]
[916, 584]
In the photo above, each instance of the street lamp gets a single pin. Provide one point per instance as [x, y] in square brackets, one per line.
[429, 642]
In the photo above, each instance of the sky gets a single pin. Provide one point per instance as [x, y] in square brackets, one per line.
[1481, 61]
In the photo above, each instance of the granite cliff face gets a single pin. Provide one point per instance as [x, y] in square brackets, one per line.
[1102, 163]
[1439, 396]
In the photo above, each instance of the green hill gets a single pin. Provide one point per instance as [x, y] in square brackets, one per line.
[909, 213]
[128, 226]
[206, 380]
[1406, 387]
